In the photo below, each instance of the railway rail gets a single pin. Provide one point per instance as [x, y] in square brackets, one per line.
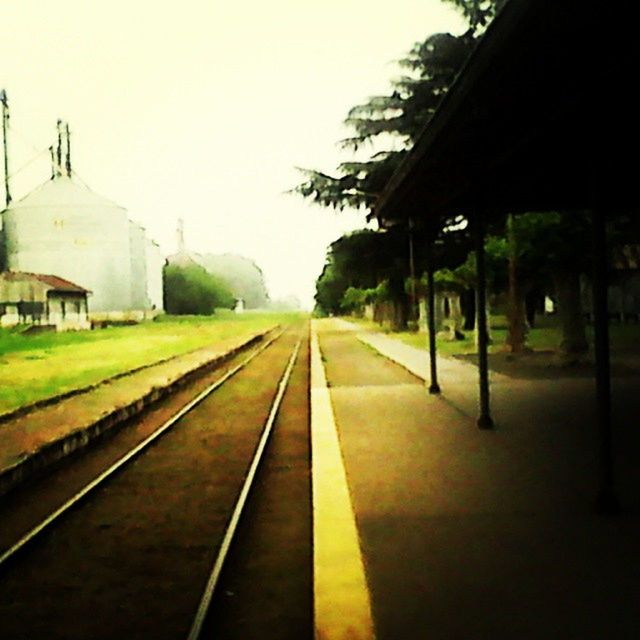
[125, 555]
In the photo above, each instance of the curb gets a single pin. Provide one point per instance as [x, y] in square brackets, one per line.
[81, 437]
[46, 402]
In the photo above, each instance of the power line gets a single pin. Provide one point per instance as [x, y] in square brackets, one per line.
[28, 163]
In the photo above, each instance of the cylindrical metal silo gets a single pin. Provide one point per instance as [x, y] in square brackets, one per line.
[65, 229]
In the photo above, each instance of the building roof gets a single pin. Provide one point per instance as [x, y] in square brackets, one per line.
[53, 282]
[542, 117]
[62, 192]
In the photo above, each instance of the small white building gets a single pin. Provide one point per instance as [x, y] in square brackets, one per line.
[42, 299]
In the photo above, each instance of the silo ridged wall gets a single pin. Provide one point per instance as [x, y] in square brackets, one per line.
[66, 230]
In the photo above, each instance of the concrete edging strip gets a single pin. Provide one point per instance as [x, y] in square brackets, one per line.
[80, 437]
[342, 608]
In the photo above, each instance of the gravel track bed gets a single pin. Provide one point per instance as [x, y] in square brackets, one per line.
[132, 561]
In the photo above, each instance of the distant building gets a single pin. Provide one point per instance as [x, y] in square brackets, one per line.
[66, 229]
[40, 299]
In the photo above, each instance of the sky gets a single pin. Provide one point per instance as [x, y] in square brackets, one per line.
[201, 110]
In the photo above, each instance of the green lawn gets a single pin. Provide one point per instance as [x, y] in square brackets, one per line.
[545, 336]
[34, 367]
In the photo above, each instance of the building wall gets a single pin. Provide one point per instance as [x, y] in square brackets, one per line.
[137, 249]
[68, 313]
[22, 290]
[84, 241]
[32, 302]
[64, 229]
[155, 264]
[3, 260]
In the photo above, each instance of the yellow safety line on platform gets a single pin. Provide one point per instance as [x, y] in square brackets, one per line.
[342, 610]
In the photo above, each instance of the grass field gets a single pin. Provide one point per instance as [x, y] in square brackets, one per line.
[545, 336]
[35, 367]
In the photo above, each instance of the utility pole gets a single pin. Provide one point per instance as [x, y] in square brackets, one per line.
[52, 152]
[180, 235]
[68, 155]
[59, 150]
[5, 126]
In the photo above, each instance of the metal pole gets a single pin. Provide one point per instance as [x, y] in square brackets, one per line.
[5, 143]
[484, 419]
[68, 155]
[434, 387]
[59, 150]
[606, 500]
[53, 162]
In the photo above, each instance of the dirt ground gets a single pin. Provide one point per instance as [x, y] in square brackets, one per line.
[539, 365]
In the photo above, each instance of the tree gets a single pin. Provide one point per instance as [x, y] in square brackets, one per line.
[191, 290]
[553, 247]
[394, 121]
[354, 299]
[479, 13]
[400, 115]
[242, 276]
[363, 260]
[330, 289]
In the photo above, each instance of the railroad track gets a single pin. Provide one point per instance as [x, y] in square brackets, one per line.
[139, 551]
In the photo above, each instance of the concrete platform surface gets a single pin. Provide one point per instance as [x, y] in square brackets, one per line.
[470, 534]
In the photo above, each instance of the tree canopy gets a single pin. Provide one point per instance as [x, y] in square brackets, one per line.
[391, 123]
[242, 276]
[191, 290]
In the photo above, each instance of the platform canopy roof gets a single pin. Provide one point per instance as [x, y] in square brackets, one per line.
[544, 116]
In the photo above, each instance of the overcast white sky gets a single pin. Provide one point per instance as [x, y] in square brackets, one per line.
[202, 109]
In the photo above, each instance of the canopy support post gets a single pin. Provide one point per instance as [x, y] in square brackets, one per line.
[484, 419]
[434, 387]
[606, 501]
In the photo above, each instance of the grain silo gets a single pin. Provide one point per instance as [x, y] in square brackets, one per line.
[155, 264]
[137, 252]
[147, 263]
[64, 228]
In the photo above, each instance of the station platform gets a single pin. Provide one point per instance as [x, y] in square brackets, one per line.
[460, 532]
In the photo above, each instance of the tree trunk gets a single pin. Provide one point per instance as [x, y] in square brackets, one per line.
[516, 318]
[488, 315]
[455, 317]
[439, 310]
[574, 345]
[469, 309]
[400, 315]
[423, 315]
[399, 302]
[533, 302]
[380, 312]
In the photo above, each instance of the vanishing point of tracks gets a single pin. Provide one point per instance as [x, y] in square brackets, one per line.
[139, 551]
